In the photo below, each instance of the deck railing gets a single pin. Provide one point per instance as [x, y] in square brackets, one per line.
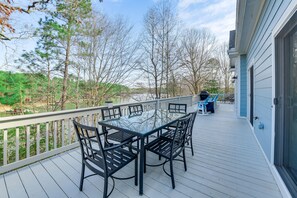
[29, 138]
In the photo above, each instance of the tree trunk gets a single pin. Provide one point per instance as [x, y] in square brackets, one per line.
[48, 86]
[156, 87]
[226, 84]
[174, 84]
[65, 79]
[77, 92]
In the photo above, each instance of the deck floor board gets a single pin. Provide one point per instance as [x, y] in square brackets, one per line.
[227, 163]
[14, 185]
[3, 190]
[32, 186]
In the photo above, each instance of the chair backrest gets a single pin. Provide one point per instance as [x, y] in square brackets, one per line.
[180, 132]
[177, 108]
[111, 113]
[216, 97]
[135, 109]
[90, 145]
[191, 124]
[211, 98]
[206, 100]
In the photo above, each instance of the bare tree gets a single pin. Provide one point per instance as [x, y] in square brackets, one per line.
[151, 50]
[223, 62]
[195, 54]
[160, 44]
[168, 35]
[111, 56]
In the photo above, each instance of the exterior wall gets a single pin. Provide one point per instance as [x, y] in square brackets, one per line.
[237, 87]
[243, 86]
[260, 56]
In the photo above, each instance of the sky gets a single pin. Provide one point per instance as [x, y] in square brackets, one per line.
[216, 15]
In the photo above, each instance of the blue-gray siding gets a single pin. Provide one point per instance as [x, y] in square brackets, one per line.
[243, 86]
[260, 54]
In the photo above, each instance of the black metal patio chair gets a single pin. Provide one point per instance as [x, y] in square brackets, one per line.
[135, 109]
[112, 134]
[170, 148]
[138, 110]
[103, 161]
[188, 138]
[177, 108]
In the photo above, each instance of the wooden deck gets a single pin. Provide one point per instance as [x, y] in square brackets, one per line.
[227, 163]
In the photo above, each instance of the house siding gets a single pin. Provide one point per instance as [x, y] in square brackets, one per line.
[260, 56]
[243, 86]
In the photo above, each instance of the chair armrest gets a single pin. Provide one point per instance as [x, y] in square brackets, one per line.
[202, 103]
[166, 138]
[116, 146]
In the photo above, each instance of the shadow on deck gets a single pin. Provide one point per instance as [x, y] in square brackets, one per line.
[227, 163]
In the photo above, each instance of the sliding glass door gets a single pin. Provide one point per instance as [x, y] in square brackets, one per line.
[290, 95]
[286, 105]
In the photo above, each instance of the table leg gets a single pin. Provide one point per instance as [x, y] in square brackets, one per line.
[141, 169]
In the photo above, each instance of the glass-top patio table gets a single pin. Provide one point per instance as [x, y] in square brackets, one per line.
[142, 125]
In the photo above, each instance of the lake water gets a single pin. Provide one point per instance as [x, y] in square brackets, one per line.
[135, 98]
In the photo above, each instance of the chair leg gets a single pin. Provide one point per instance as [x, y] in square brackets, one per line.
[136, 172]
[105, 187]
[158, 135]
[82, 176]
[192, 146]
[144, 166]
[137, 146]
[185, 163]
[171, 174]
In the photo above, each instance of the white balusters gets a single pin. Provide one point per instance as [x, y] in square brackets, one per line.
[28, 142]
[88, 120]
[63, 131]
[5, 147]
[93, 121]
[55, 134]
[38, 139]
[17, 144]
[46, 136]
[69, 130]
[48, 128]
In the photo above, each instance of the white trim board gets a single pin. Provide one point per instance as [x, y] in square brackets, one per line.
[251, 126]
[248, 96]
[249, 90]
